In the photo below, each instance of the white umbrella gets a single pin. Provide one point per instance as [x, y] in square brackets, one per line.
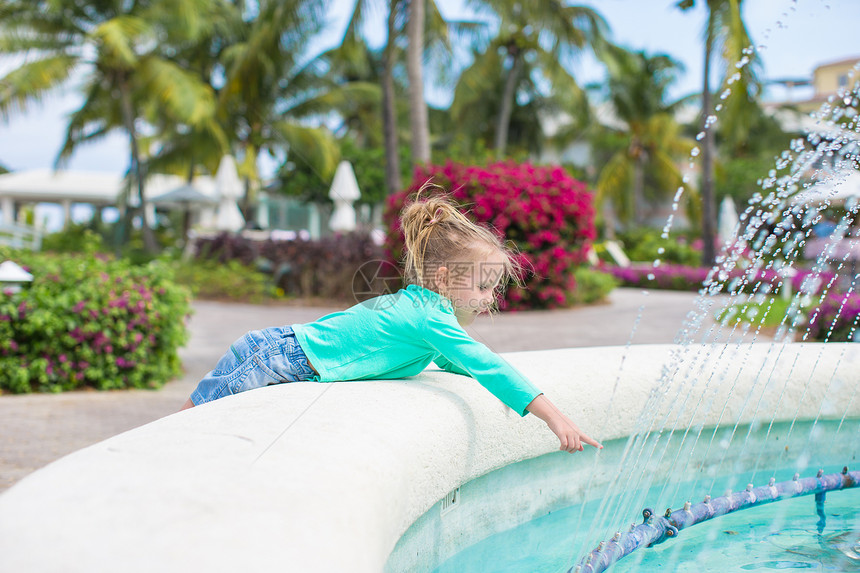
[840, 187]
[344, 192]
[229, 188]
[187, 198]
[12, 276]
[728, 221]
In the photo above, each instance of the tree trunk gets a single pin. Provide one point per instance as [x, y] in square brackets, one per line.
[510, 92]
[149, 243]
[417, 106]
[248, 203]
[708, 149]
[639, 186]
[389, 107]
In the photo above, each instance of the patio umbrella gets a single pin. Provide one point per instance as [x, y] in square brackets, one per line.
[839, 188]
[188, 198]
[344, 192]
[229, 188]
[728, 221]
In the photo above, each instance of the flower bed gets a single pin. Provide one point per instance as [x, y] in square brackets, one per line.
[89, 320]
[548, 215]
[681, 277]
[326, 268]
[836, 318]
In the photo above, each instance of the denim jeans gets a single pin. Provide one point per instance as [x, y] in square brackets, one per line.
[259, 358]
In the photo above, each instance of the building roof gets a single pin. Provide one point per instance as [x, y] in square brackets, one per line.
[840, 62]
[50, 185]
[95, 188]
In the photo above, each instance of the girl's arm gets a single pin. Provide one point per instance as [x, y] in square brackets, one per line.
[570, 436]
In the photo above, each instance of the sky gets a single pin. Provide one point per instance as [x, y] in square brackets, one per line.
[792, 37]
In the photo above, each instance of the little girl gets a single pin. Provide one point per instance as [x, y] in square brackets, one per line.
[454, 269]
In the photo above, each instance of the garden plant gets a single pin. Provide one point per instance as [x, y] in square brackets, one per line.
[546, 213]
[89, 320]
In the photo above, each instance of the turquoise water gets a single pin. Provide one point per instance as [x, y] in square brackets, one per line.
[775, 536]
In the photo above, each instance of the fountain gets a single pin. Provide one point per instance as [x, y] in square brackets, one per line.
[329, 477]
[713, 413]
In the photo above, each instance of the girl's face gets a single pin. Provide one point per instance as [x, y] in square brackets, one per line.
[471, 284]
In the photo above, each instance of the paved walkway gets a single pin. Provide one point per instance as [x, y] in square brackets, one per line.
[36, 429]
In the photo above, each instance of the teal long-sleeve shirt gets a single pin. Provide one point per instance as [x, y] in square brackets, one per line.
[398, 335]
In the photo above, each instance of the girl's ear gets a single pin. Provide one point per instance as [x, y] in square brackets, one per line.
[440, 279]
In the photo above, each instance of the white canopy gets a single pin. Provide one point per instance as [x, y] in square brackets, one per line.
[840, 187]
[94, 188]
[228, 187]
[47, 185]
[344, 192]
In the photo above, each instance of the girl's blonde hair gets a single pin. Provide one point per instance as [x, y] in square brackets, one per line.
[437, 235]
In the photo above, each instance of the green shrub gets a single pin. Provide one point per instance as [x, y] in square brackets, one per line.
[90, 320]
[73, 239]
[591, 285]
[647, 245]
[228, 281]
[109, 238]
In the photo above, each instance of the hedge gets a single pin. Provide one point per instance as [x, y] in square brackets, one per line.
[328, 268]
[90, 321]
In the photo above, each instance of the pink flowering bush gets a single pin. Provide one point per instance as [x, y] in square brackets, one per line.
[836, 318]
[90, 321]
[682, 277]
[547, 214]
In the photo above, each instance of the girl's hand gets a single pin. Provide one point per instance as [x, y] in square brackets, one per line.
[570, 437]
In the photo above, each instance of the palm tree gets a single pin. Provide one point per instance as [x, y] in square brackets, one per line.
[546, 32]
[265, 78]
[114, 44]
[724, 27]
[353, 46]
[179, 147]
[270, 97]
[472, 124]
[644, 169]
[414, 65]
[389, 109]
[427, 41]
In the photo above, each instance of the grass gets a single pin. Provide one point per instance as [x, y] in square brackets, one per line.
[767, 313]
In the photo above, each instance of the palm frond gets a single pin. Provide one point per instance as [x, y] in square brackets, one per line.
[615, 183]
[98, 115]
[181, 93]
[34, 80]
[316, 146]
[339, 99]
[116, 39]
